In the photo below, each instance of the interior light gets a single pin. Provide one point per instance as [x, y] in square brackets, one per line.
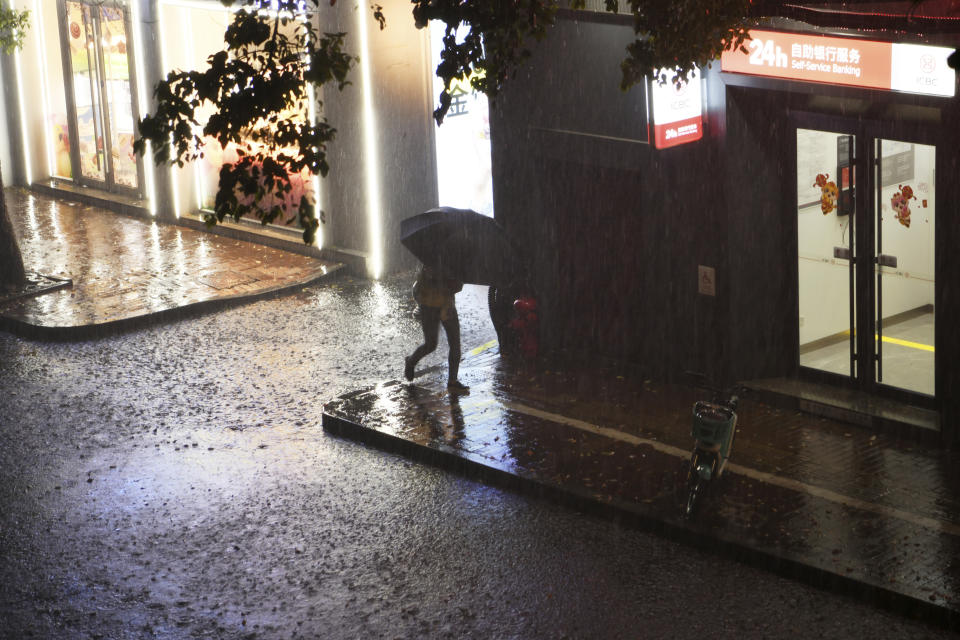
[198, 179]
[172, 170]
[312, 115]
[198, 174]
[148, 169]
[371, 157]
[45, 90]
[25, 143]
[186, 5]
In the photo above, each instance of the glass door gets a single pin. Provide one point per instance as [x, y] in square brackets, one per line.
[101, 99]
[865, 259]
[825, 248]
[88, 109]
[905, 206]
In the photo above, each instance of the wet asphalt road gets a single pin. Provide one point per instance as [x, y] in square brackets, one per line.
[174, 482]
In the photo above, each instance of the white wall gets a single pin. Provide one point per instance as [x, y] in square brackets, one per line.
[33, 154]
[56, 144]
[6, 122]
[383, 160]
[188, 35]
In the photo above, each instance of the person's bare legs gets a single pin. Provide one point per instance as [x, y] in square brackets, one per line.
[451, 327]
[430, 321]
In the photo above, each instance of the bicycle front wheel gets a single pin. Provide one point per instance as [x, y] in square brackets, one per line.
[696, 485]
[696, 482]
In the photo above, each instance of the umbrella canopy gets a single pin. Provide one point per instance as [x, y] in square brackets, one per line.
[467, 245]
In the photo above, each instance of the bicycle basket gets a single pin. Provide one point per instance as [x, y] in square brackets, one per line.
[711, 421]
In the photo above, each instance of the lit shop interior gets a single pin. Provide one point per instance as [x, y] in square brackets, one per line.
[85, 80]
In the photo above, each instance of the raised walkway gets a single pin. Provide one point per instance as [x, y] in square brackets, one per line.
[833, 504]
[126, 271]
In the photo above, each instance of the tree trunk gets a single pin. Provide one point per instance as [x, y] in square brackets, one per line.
[11, 261]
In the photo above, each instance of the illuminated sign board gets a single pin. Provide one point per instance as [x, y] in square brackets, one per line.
[677, 111]
[911, 68]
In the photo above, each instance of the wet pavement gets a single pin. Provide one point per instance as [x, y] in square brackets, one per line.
[102, 460]
[173, 482]
[126, 270]
[834, 504]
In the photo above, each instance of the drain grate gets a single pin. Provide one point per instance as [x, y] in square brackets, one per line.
[35, 285]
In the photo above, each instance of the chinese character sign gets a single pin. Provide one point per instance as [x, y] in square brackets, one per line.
[861, 63]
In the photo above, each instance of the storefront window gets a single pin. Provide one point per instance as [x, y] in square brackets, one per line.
[83, 66]
[116, 76]
[463, 142]
[101, 98]
[192, 34]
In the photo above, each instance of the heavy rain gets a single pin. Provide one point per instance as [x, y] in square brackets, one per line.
[174, 481]
[585, 320]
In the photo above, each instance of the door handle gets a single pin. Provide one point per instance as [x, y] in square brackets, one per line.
[843, 253]
[887, 261]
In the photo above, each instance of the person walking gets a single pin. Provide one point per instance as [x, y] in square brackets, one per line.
[434, 292]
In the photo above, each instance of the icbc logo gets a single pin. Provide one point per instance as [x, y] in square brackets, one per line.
[928, 63]
[74, 30]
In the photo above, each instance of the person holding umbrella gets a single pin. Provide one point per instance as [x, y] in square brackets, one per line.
[434, 292]
[456, 246]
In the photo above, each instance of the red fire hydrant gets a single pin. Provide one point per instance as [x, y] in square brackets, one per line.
[525, 324]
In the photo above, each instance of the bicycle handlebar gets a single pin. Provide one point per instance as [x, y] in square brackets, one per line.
[732, 402]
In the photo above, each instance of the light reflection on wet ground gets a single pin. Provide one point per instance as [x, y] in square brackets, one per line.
[113, 519]
[807, 490]
[113, 524]
[125, 267]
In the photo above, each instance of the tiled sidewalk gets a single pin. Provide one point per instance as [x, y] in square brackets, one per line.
[830, 503]
[127, 270]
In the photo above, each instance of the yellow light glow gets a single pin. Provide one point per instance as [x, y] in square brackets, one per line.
[198, 180]
[172, 170]
[44, 89]
[25, 143]
[149, 177]
[312, 114]
[200, 183]
[206, 5]
[371, 157]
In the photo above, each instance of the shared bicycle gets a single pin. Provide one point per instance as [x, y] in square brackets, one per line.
[714, 428]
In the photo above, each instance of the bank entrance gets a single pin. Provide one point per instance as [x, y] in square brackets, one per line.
[866, 257]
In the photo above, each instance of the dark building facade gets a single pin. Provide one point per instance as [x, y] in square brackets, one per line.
[805, 232]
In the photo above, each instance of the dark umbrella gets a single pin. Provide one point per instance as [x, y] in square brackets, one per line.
[467, 245]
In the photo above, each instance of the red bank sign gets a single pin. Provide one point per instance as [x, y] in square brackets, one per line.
[677, 111]
[911, 68]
